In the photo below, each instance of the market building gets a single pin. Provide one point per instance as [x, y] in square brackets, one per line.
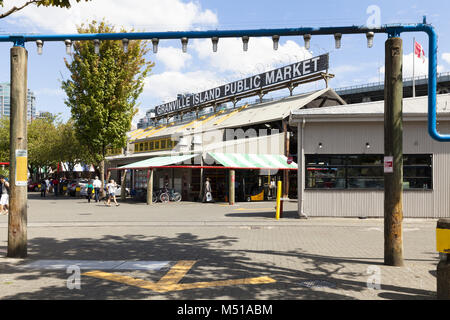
[341, 160]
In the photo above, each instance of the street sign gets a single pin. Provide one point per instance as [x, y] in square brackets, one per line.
[388, 164]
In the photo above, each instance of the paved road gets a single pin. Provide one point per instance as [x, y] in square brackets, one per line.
[209, 251]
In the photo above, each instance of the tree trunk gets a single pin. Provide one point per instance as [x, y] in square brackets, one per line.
[102, 177]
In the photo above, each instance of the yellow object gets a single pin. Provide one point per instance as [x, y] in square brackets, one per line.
[258, 197]
[64, 188]
[278, 200]
[443, 240]
[21, 169]
[77, 189]
[170, 282]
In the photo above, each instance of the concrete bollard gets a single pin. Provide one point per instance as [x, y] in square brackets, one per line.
[443, 268]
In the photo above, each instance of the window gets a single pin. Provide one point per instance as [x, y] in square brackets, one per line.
[157, 145]
[169, 144]
[146, 146]
[163, 144]
[364, 172]
[152, 145]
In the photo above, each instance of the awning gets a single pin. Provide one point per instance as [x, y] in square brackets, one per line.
[253, 161]
[158, 161]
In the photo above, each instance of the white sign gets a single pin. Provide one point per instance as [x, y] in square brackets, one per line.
[388, 164]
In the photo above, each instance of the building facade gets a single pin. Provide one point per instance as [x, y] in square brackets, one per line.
[341, 153]
[5, 103]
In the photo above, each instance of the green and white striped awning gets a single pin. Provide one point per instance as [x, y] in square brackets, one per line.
[255, 161]
[158, 161]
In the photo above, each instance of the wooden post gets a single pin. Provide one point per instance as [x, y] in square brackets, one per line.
[17, 223]
[286, 153]
[393, 147]
[150, 186]
[123, 182]
[231, 183]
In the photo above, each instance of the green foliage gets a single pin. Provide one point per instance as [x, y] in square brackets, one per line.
[4, 139]
[103, 89]
[45, 3]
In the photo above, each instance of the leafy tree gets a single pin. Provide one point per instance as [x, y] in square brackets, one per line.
[4, 139]
[45, 3]
[68, 148]
[103, 90]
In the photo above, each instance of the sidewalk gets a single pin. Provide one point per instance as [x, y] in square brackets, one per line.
[227, 252]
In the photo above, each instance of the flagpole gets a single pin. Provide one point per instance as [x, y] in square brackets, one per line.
[414, 80]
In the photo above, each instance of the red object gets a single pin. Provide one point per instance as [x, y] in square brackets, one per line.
[418, 51]
[289, 160]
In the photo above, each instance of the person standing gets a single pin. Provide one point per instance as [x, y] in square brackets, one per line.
[4, 199]
[55, 186]
[89, 187]
[43, 188]
[97, 184]
[111, 188]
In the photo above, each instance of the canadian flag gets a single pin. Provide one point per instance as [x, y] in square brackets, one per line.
[418, 51]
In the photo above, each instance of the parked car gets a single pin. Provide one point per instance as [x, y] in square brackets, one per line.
[33, 186]
[73, 184]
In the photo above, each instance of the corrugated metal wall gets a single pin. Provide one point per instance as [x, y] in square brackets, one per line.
[351, 138]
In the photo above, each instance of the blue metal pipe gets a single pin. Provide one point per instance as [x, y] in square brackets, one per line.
[390, 30]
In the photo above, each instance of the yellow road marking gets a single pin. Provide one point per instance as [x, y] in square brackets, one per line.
[170, 281]
[177, 272]
[252, 209]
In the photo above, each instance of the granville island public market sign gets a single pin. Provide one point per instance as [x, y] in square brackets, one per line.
[255, 83]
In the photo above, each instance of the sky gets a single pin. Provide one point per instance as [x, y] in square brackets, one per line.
[200, 68]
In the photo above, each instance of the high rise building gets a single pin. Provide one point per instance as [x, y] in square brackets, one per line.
[5, 103]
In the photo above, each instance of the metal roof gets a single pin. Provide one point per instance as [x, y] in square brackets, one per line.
[411, 106]
[245, 115]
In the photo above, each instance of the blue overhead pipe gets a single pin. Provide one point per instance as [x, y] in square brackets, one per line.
[390, 30]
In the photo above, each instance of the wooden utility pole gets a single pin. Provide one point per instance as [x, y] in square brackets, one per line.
[393, 150]
[18, 173]
[231, 184]
[123, 182]
[150, 186]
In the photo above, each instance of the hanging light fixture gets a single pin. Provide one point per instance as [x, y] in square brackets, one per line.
[155, 42]
[370, 35]
[214, 40]
[245, 40]
[184, 42]
[68, 44]
[276, 40]
[39, 46]
[125, 45]
[337, 40]
[96, 46]
[307, 39]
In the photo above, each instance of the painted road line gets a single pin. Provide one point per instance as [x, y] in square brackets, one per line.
[170, 282]
[177, 272]
[96, 264]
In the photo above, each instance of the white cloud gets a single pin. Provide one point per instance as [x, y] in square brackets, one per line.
[173, 58]
[165, 86]
[148, 15]
[260, 56]
[446, 57]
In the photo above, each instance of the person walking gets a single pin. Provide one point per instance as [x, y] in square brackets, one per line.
[4, 199]
[89, 187]
[207, 197]
[97, 184]
[111, 188]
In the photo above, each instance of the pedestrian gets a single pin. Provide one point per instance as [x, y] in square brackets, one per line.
[55, 185]
[97, 184]
[4, 199]
[89, 187]
[43, 188]
[207, 197]
[111, 188]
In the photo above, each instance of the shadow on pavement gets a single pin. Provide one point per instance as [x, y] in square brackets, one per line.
[216, 260]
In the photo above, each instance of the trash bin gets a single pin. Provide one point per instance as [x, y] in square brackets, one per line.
[443, 268]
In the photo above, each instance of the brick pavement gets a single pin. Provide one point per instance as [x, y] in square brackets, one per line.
[317, 258]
